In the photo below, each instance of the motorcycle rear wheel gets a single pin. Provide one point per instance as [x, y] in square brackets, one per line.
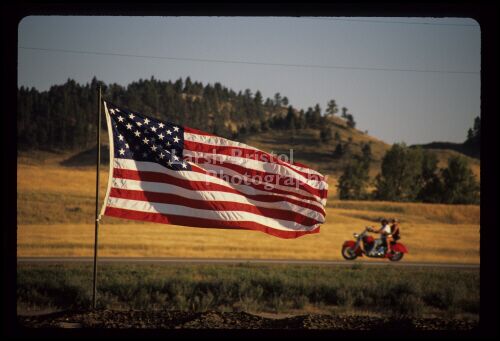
[349, 253]
[396, 257]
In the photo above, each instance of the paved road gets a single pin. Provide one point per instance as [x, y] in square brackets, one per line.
[147, 260]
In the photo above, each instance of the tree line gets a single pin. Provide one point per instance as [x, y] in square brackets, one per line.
[64, 117]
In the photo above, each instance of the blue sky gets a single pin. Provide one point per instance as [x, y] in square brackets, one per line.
[395, 106]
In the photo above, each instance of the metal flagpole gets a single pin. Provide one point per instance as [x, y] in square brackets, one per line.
[97, 197]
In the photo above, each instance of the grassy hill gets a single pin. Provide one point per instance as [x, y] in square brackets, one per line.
[462, 148]
[310, 150]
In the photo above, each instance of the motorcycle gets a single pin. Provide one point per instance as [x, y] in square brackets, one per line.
[364, 244]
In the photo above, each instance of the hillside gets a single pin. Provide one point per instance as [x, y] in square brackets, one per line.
[310, 150]
[63, 120]
[462, 148]
[303, 145]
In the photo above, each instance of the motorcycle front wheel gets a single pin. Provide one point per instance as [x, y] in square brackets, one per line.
[396, 257]
[349, 253]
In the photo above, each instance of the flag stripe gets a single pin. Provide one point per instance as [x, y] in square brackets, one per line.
[200, 222]
[194, 185]
[272, 180]
[233, 216]
[251, 154]
[255, 165]
[211, 140]
[200, 174]
[214, 205]
[235, 178]
[211, 195]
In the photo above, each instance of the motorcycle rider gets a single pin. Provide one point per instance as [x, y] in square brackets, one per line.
[385, 231]
[394, 230]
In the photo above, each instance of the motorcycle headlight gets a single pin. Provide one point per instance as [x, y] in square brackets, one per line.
[355, 235]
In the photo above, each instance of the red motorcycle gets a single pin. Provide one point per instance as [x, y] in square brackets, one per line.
[364, 244]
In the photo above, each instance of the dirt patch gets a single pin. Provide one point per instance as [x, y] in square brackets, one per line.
[233, 320]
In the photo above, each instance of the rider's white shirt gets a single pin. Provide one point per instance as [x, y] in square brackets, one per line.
[386, 229]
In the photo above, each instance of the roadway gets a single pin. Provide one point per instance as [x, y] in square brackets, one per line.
[165, 260]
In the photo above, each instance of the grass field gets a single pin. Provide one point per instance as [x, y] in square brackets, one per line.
[254, 288]
[56, 218]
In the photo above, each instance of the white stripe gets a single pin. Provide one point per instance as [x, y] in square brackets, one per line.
[268, 167]
[111, 158]
[209, 167]
[156, 187]
[195, 176]
[220, 141]
[236, 216]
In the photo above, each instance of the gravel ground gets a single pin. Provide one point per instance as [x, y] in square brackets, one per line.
[232, 320]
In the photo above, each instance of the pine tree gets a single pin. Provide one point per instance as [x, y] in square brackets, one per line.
[339, 151]
[350, 121]
[331, 108]
[337, 137]
[290, 118]
[325, 134]
[366, 157]
[188, 85]
[344, 113]
[277, 100]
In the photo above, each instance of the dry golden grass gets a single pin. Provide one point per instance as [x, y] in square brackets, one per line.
[426, 242]
[410, 212]
[55, 218]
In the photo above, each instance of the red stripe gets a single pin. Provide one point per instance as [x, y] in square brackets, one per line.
[204, 186]
[246, 153]
[270, 177]
[212, 205]
[237, 179]
[196, 131]
[199, 132]
[200, 222]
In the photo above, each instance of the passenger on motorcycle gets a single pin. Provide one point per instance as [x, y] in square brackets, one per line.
[385, 231]
[394, 230]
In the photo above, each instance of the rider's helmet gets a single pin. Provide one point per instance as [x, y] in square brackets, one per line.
[394, 221]
[384, 222]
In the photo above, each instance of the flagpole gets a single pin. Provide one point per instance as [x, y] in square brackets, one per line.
[97, 197]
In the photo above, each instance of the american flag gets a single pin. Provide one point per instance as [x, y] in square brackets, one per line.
[168, 173]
